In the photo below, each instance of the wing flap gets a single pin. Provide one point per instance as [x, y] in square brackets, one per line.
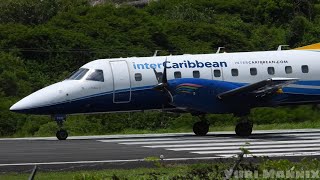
[259, 88]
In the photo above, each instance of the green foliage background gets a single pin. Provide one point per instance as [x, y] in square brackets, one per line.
[41, 42]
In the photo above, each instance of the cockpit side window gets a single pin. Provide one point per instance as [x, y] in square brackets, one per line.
[96, 75]
[78, 74]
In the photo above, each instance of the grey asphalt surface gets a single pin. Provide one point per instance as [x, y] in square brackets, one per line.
[128, 151]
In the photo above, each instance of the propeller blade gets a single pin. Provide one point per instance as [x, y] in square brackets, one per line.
[156, 74]
[168, 94]
[164, 75]
[163, 82]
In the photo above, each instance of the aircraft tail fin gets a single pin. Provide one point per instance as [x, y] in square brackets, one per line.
[309, 47]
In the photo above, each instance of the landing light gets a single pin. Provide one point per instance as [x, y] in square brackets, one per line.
[279, 91]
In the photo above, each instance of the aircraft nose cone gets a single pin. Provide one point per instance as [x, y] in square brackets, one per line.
[19, 106]
[38, 99]
[26, 103]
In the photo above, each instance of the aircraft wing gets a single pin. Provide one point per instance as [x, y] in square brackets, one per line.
[259, 89]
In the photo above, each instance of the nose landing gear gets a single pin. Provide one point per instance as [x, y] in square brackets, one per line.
[61, 134]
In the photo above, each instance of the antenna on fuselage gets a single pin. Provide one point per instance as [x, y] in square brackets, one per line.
[280, 47]
[155, 53]
[219, 49]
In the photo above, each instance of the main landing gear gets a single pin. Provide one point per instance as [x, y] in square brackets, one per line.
[61, 133]
[244, 127]
[201, 128]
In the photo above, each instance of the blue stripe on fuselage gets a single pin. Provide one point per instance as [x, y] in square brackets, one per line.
[310, 83]
[145, 97]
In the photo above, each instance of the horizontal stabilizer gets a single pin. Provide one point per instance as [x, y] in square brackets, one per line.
[259, 88]
[309, 47]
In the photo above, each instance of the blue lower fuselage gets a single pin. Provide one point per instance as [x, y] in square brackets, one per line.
[146, 98]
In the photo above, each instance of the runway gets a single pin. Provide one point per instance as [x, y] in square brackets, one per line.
[113, 151]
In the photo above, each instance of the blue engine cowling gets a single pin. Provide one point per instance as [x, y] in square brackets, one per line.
[201, 95]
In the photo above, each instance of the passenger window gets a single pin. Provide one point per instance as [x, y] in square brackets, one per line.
[271, 70]
[196, 74]
[217, 73]
[288, 69]
[96, 75]
[138, 76]
[177, 74]
[234, 72]
[253, 71]
[305, 69]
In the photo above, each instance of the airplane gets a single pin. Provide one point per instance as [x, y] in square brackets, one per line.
[199, 84]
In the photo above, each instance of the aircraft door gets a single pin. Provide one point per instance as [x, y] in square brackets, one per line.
[121, 82]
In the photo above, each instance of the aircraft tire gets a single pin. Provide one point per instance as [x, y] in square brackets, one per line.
[62, 134]
[201, 128]
[243, 129]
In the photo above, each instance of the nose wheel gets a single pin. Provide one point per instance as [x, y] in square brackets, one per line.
[61, 134]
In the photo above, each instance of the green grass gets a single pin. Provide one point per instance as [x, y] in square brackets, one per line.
[213, 128]
[138, 173]
[300, 125]
[213, 170]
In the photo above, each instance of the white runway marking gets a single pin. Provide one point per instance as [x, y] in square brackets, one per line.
[186, 146]
[255, 151]
[183, 146]
[167, 159]
[264, 143]
[182, 141]
[247, 147]
[275, 154]
[134, 140]
[239, 144]
[207, 140]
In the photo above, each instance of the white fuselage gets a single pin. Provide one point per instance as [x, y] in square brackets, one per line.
[136, 73]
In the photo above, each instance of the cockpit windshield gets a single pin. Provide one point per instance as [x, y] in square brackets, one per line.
[77, 75]
[93, 75]
[96, 75]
